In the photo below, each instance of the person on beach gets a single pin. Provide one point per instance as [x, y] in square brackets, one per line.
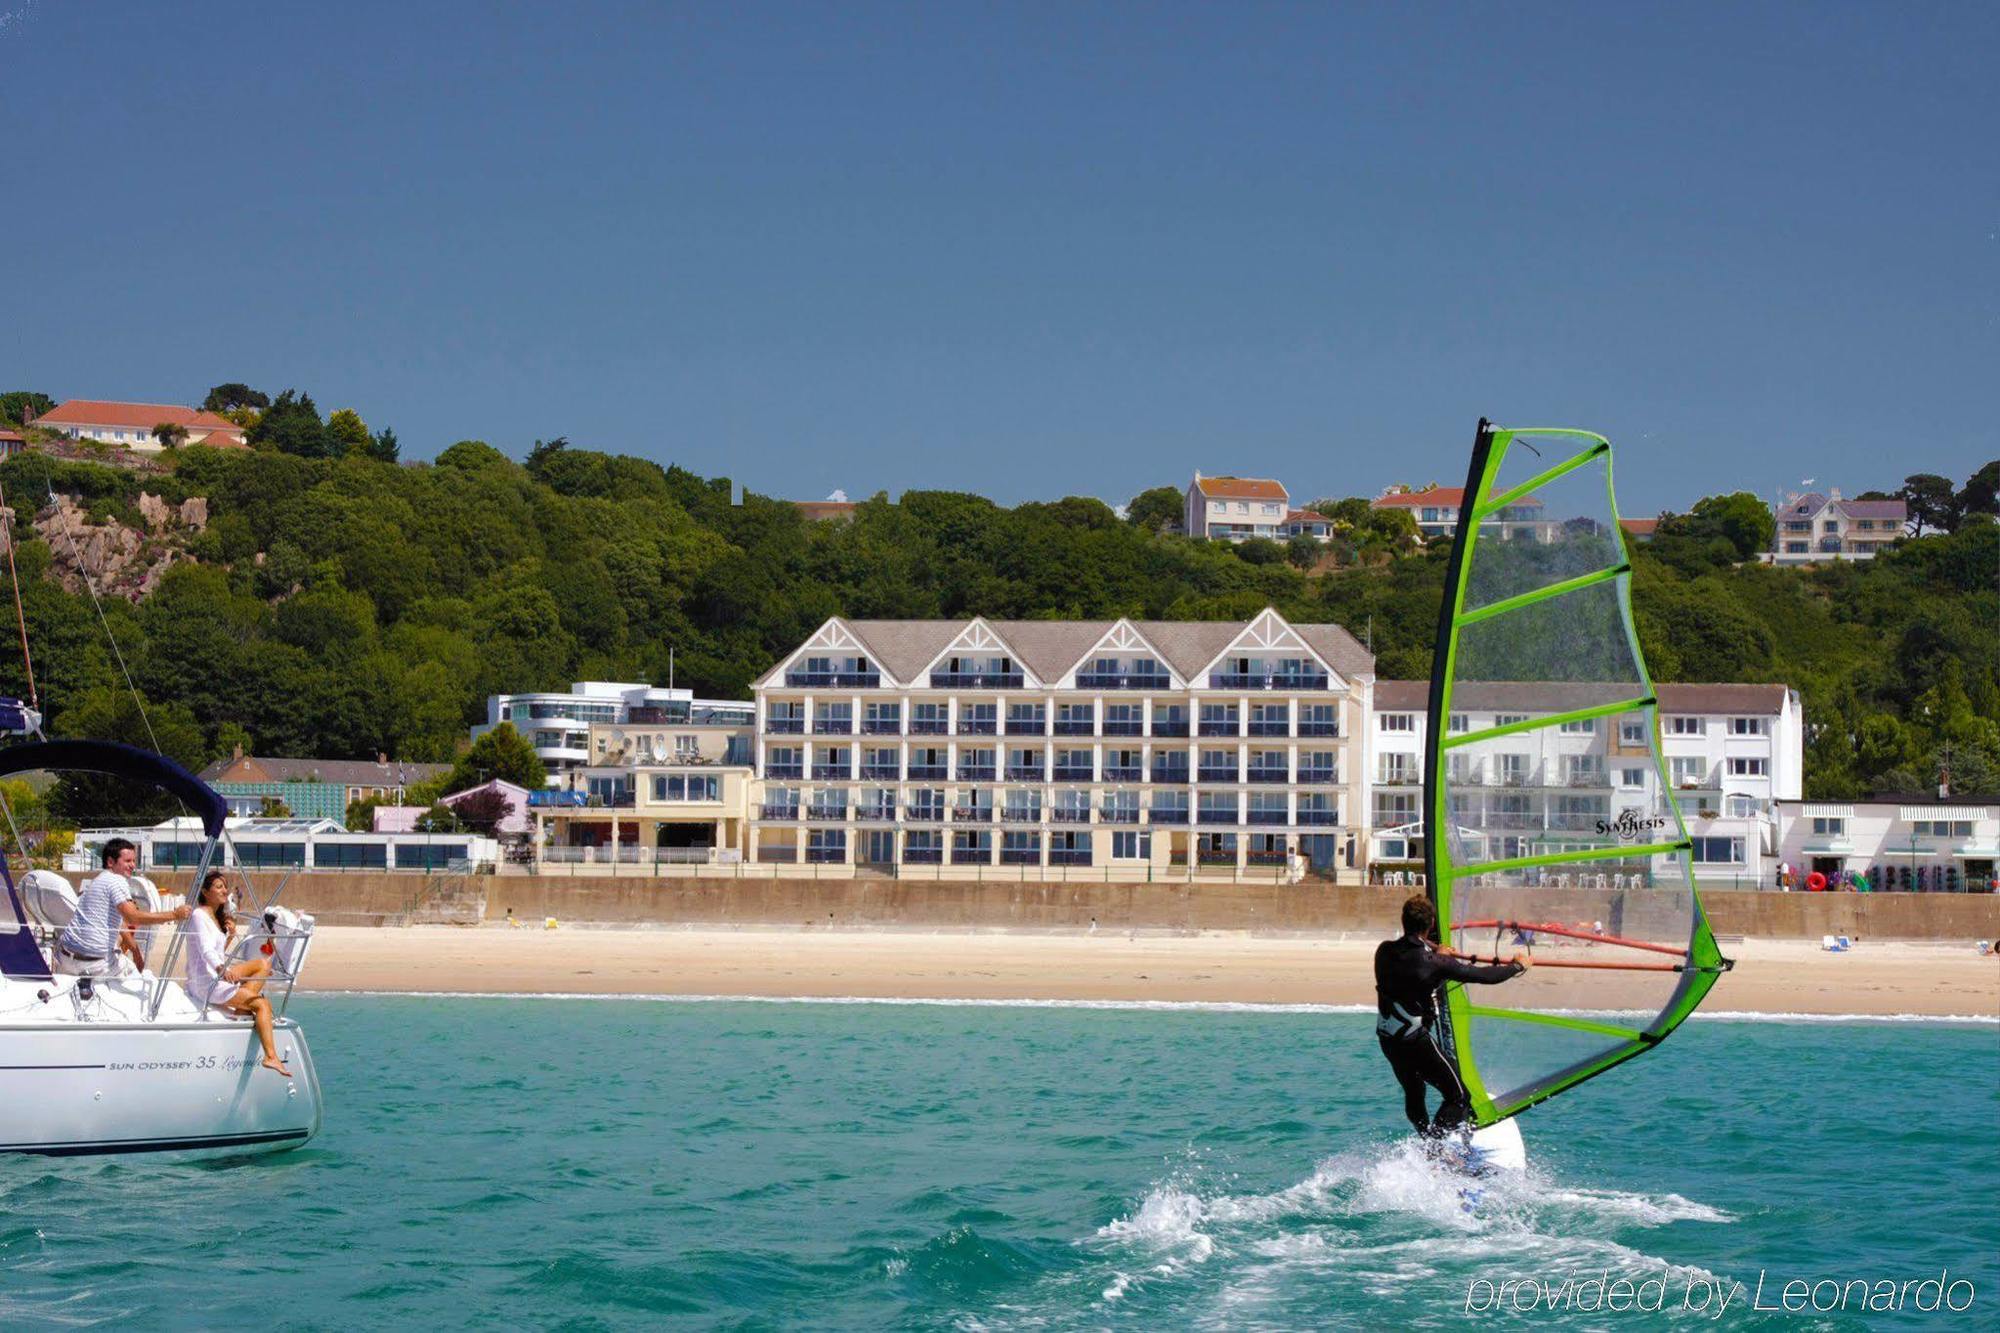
[1409, 972]
[106, 918]
[214, 981]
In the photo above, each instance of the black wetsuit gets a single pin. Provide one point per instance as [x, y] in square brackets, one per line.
[1409, 972]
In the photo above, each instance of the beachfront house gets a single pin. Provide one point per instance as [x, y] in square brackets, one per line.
[1435, 510]
[130, 425]
[1133, 748]
[1899, 842]
[1732, 752]
[1813, 526]
[653, 793]
[557, 724]
[1235, 508]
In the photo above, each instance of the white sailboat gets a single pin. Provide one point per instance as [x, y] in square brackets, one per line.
[131, 1064]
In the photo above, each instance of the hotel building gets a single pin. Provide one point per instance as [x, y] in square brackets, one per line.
[1922, 843]
[558, 725]
[652, 792]
[1124, 746]
[1733, 752]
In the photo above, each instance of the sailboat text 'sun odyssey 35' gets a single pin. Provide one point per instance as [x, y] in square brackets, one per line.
[1537, 686]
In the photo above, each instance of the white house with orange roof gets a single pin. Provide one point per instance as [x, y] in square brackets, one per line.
[1236, 508]
[130, 425]
[1435, 509]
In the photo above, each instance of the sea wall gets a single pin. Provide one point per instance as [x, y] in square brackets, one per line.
[1311, 908]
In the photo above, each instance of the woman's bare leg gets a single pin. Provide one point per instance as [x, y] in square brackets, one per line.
[259, 1010]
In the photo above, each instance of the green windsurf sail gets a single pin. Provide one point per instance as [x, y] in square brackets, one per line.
[1550, 815]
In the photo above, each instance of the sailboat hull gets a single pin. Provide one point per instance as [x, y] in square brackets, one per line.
[88, 1089]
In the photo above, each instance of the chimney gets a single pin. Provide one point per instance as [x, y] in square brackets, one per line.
[236, 752]
[381, 759]
[1832, 493]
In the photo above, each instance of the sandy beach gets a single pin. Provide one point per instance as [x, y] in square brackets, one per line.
[1771, 976]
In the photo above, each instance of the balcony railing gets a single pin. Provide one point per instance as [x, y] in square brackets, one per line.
[978, 726]
[1319, 729]
[875, 814]
[1075, 726]
[1064, 814]
[833, 772]
[924, 814]
[929, 726]
[1217, 773]
[1124, 773]
[561, 800]
[977, 680]
[1172, 816]
[1318, 777]
[1400, 777]
[1317, 817]
[785, 726]
[1020, 856]
[1118, 814]
[1069, 856]
[1264, 858]
[778, 812]
[827, 814]
[1281, 727]
[881, 726]
[1212, 857]
[1166, 727]
[1217, 814]
[1268, 774]
[1170, 772]
[1021, 814]
[1124, 728]
[927, 772]
[1027, 726]
[833, 726]
[1300, 680]
[826, 855]
[809, 680]
[1225, 726]
[882, 772]
[923, 856]
[972, 814]
[1073, 773]
[1123, 680]
[978, 773]
[1025, 772]
[781, 771]
[1269, 817]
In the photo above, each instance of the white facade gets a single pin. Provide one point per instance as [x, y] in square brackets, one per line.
[1235, 508]
[298, 844]
[558, 725]
[1911, 843]
[1129, 747]
[1732, 752]
[1814, 527]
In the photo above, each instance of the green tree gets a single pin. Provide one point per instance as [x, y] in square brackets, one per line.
[234, 397]
[1156, 509]
[1303, 551]
[383, 447]
[1981, 493]
[1740, 518]
[1932, 502]
[21, 406]
[346, 429]
[273, 807]
[170, 434]
[501, 753]
[1260, 551]
[291, 425]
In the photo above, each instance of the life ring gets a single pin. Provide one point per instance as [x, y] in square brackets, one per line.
[1815, 882]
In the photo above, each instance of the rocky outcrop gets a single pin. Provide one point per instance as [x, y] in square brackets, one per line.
[122, 561]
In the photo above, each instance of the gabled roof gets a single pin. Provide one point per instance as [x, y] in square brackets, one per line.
[1241, 488]
[1804, 506]
[1546, 696]
[1640, 527]
[1444, 497]
[1048, 648]
[1306, 516]
[145, 416]
[1898, 510]
[337, 772]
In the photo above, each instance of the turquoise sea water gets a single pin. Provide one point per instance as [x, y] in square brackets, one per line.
[622, 1163]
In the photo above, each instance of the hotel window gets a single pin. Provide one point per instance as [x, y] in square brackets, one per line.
[1749, 726]
[1632, 731]
[1688, 770]
[1943, 828]
[1396, 722]
[1739, 806]
[1242, 506]
[1683, 726]
[1512, 769]
[1749, 768]
[1460, 722]
[1508, 719]
[1270, 509]
[1580, 727]
[687, 748]
[1829, 827]
[1131, 846]
[1718, 851]
[1632, 775]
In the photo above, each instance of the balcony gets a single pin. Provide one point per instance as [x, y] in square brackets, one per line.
[557, 800]
[827, 814]
[1209, 856]
[1217, 814]
[1020, 856]
[875, 814]
[1216, 773]
[978, 773]
[1065, 814]
[1319, 729]
[882, 726]
[1025, 772]
[1168, 816]
[1267, 773]
[1320, 817]
[785, 726]
[929, 726]
[971, 856]
[1034, 726]
[1021, 814]
[826, 855]
[1300, 680]
[1170, 772]
[972, 814]
[1170, 726]
[1123, 680]
[1075, 726]
[783, 771]
[923, 856]
[833, 773]
[1126, 728]
[833, 726]
[1266, 727]
[846, 680]
[1227, 726]
[1318, 777]
[1118, 814]
[924, 814]
[1269, 817]
[881, 772]
[1073, 773]
[778, 812]
[1124, 773]
[1264, 858]
[1069, 856]
[978, 726]
[927, 773]
[977, 680]
[1400, 777]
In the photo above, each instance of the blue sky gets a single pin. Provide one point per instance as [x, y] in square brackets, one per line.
[1030, 250]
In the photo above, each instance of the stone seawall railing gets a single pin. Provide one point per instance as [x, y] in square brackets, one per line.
[1310, 908]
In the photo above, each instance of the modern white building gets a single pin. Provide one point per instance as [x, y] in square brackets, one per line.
[653, 793]
[1236, 508]
[130, 425]
[1130, 747]
[558, 725]
[1923, 843]
[1732, 753]
[295, 844]
[1435, 509]
[1814, 527]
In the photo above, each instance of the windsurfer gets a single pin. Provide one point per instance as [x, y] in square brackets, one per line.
[1409, 972]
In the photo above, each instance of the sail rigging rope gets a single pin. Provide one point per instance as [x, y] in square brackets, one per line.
[20, 612]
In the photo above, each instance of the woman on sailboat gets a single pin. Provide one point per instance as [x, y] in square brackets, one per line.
[215, 981]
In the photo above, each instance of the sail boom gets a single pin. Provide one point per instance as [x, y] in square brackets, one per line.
[1610, 852]
[1532, 484]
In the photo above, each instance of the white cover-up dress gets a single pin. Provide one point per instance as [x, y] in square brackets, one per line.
[208, 954]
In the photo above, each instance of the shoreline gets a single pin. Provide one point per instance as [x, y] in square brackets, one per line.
[1772, 978]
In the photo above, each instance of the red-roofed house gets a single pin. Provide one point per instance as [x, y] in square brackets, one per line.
[1236, 508]
[1435, 508]
[11, 443]
[1310, 523]
[1640, 529]
[130, 425]
[1826, 527]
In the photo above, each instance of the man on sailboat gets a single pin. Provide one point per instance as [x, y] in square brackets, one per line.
[1409, 972]
[106, 917]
